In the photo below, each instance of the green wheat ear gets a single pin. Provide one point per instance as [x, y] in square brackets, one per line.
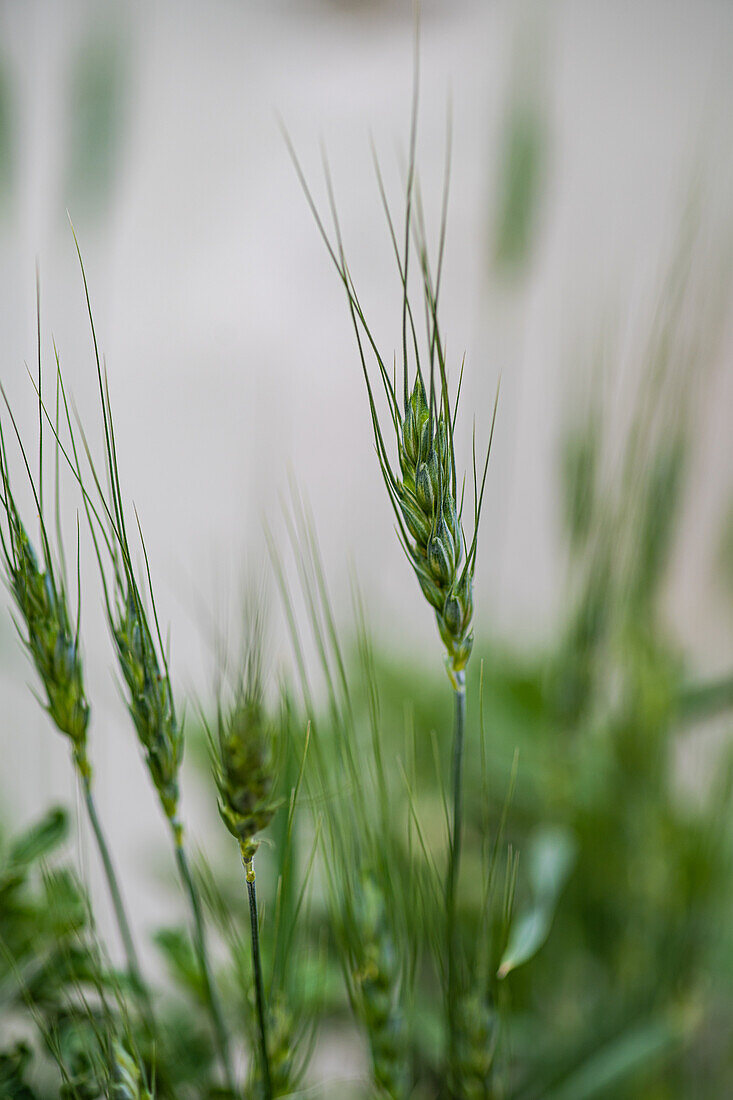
[422, 484]
[46, 627]
[377, 983]
[281, 1034]
[45, 623]
[244, 761]
[434, 539]
[150, 696]
[135, 630]
[246, 746]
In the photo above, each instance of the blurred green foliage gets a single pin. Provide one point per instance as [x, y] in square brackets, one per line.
[523, 146]
[96, 118]
[520, 185]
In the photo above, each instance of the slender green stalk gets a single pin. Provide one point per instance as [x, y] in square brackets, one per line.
[249, 869]
[133, 965]
[454, 858]
[220, 1035]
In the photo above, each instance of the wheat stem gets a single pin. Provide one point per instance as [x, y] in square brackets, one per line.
[249, 869]
[220, 1035]
[454, 858]
[133, 965]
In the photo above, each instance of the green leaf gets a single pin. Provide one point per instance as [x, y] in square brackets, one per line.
[526, 938]
[175, 946]
[551, 857]
[66, 905]
[13, 1066]
[41, 839]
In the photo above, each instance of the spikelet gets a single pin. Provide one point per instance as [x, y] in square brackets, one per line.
[426, 498]
[377, 985]
[150, 697]
[45, 623]
[244, 759]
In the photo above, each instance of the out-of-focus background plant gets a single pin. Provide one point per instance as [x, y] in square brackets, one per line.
[588, 261]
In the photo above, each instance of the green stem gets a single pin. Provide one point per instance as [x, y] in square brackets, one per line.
[454, 858]
[133, 966]
[220, 1035]
[249, 868]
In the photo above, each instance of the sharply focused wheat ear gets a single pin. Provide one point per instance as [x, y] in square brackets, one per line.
[422, 483]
